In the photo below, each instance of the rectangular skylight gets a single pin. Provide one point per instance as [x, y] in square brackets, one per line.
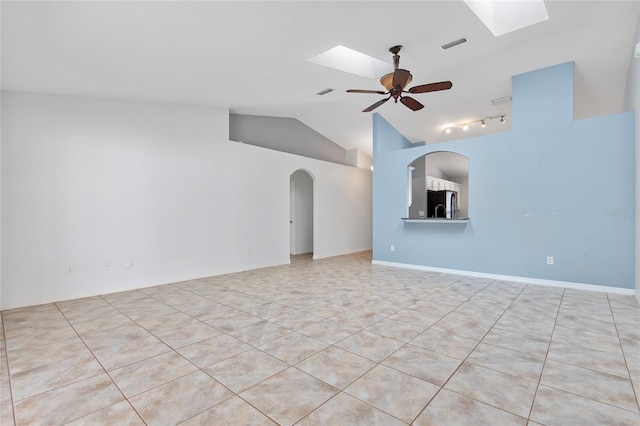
[348, 60]
[502, 17]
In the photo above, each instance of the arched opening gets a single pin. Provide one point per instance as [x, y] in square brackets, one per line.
[301, 213]
[439, 186]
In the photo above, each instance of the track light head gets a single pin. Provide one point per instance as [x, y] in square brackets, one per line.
[482, 121]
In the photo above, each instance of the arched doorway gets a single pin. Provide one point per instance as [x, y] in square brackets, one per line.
[301, 212]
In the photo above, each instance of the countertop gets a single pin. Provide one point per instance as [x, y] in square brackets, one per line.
[436, 219]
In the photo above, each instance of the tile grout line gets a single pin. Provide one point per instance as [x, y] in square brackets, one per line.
[172, 349]
[468, 355]
[590, 369]
[76, 381]
[341, 390]
[535, 394]
[6, 354]
[103, 368]
[624, 356]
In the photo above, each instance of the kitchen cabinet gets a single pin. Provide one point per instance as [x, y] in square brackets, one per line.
[437, 184]
[431, 184]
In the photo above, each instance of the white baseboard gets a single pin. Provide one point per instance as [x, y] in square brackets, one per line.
[537, 281]
[36, 300]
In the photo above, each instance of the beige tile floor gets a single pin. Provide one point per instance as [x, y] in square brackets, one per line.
[328, 342]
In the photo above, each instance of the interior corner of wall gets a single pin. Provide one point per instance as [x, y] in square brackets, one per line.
[386, 138]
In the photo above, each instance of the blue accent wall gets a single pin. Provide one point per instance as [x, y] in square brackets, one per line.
[385, 137]
[550, 187]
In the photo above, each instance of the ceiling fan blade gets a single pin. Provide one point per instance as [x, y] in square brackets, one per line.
[376, 105]
[401, 78]
[411, 103]
[431, 87]
[377, 92]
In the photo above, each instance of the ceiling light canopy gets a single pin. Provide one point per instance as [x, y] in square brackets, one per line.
[348, 60]
[502, 17]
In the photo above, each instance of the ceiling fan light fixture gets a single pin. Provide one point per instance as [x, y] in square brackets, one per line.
[387, 80]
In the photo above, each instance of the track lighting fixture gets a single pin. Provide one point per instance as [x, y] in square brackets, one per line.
[482, 121]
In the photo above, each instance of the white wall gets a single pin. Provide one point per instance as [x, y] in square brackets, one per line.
[632, 103]
[286, 135]
[88, 181]
[357, 158]
[302, 213]
[463, 196]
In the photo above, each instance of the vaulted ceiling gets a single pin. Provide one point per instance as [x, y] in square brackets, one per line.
[251, 57]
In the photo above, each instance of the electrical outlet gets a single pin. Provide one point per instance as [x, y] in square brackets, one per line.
[392, 247]
[106, 266]
[549, 260]
[69, 270]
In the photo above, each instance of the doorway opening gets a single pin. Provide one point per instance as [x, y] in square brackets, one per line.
[301, 213]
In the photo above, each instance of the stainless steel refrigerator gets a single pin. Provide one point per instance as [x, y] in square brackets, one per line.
[442, 204]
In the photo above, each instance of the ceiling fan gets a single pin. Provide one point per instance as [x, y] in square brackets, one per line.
[395, 83]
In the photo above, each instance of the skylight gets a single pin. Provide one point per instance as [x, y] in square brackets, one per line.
[348, 60]
[502, 17]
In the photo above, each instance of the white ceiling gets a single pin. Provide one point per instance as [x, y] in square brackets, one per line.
[251, 57]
